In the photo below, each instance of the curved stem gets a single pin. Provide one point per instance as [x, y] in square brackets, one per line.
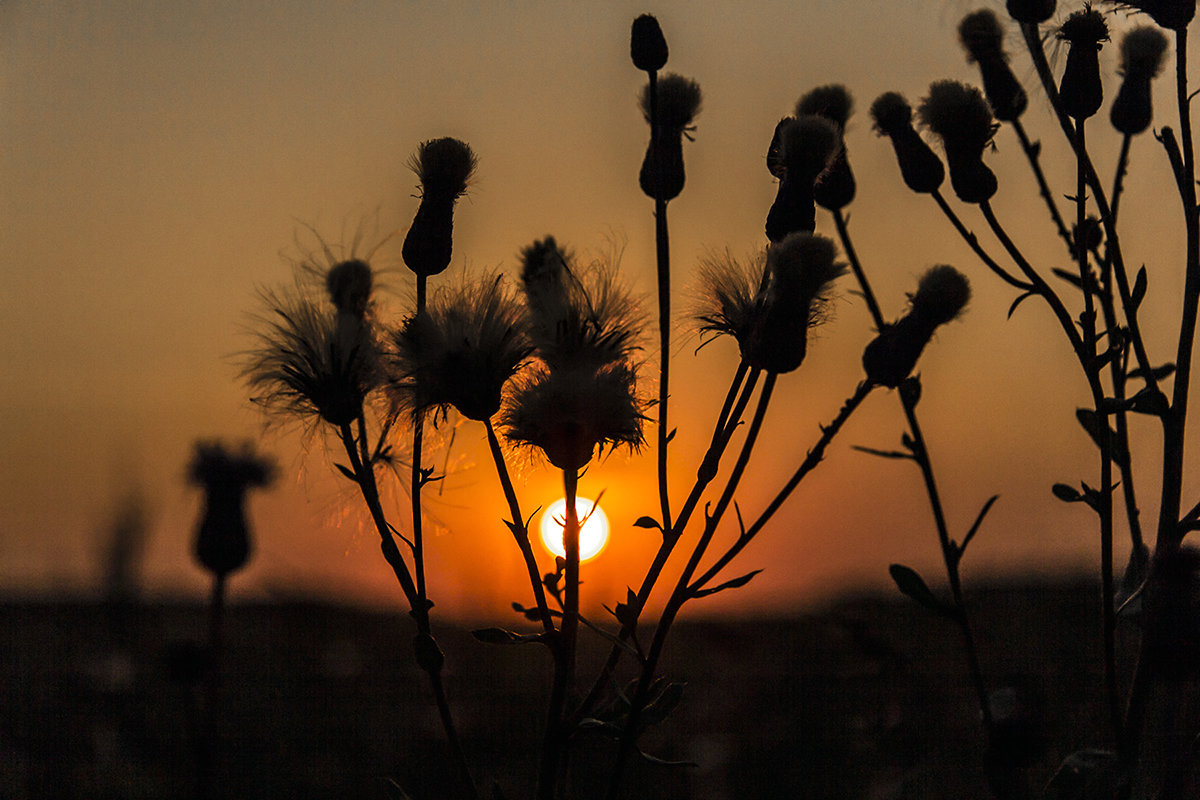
[973, 241]
[855, 265]
[1032, 154]
[519, 530]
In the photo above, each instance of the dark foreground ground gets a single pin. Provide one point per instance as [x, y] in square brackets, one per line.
[867, 699]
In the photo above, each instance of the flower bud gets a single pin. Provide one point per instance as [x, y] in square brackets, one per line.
[802, 268]
[444, 168]
[961, 118]
[662, 175]
[1142, 52]
[892, 355]
[920, 167]
[222, 543]
[349, 285]
[647, 45]
[1032, 11]
[1081, 90]
[801, 150]
[983, 38]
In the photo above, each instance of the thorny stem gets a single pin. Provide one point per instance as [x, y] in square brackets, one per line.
[1032, 154]
[1119, 177]
[682, 591]
[554, 753]
[519, 530]
[727, 422]
[950, 553]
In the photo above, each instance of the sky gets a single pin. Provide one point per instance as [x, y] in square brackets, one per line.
[161, 163]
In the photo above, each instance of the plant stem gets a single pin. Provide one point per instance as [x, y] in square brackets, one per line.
[418, 476]
[519, 530]
[855, 265]
[682, 591]
[554, 751]
[1032, 154]
[662, 247]
[973, 241]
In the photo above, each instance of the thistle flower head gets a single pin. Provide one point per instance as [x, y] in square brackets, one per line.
[801, 269]
[1032, 11]
[567, 412]
[832, 102]
[311, 361]
[942, 293]
[981, 35]
[577, 315]
[460, 351]
[679, 101]
[891, 114]
[349, 283]
[1142, 52]
[959, 115]
[222, 542]
[890, 357]
[1170, 14]
[1084, 28]
[647, 45]
[803, 147]
[444, 167]
[730, 296]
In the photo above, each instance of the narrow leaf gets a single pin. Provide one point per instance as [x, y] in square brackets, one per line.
[502, 636]
[1069, 277]
[881, 453]
[1138, 293]
[394, 792]
[1158, 373]
[734, 583]
[349, 473]
[671, 435]
[978, 521]
[1068, 494]
[1020, 299]
[662, 762]
[913, 585]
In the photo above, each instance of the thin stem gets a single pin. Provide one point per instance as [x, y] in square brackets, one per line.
[1032, 155]
[855, 265]
[519, 530]
[554, 751]
[973, 241]
[208, 744]
[418, 475]
[682, 591]
[1119, 177]
[662, 241]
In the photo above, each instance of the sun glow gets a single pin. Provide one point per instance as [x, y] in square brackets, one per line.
[592, 536]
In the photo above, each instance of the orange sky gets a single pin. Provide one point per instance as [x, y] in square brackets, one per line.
[156, 161]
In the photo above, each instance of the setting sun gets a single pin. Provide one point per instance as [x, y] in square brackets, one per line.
[592, 536]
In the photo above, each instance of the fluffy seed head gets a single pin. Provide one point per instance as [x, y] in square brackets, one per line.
[832, 102]
[679, 101]
[942, 293]
[891, 114]
[460, 351]
[1034, 11]
[730, 296]
[647, 45]
[567, 413]
[1142, 52]
[444, 167]
[222, 543]
[1084, 28]
[349, 284]
[981, 35]
[311, 361]
[804, 147]
[959, 115]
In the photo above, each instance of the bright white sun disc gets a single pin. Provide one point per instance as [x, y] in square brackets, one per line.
[592, 536]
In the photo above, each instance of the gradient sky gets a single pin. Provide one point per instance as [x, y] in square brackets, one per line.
[159, 161]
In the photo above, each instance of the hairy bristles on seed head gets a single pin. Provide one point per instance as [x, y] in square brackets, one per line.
[804, 261]
[959, 114]
[891, 113]
[981, 35]
[941, 295]
[832, 102]
[807, 144]
[678, 101]
[1142, 52]
[444, 167]
[730, 299]
[1084, 28]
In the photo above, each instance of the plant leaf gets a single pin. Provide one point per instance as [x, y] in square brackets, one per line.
[1068, 494]
[1021, 298]
[503, 636]
[978, 521]
[733, 583]
[394, 792]
[881, 453]
[913, 585]
[349, 473]
[1138, 293]
[647, 522]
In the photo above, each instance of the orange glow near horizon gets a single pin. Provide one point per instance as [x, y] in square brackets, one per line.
[593, 534]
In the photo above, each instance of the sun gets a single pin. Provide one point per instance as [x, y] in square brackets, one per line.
[592, 536]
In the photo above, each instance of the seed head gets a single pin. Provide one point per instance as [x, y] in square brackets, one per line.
[1170, 14]
[1032, 11]
[731, 298]
[920, 167]
[222, 543]
[566, 413]
[1142, 52]
[349, 284]
[942, 293]
[802, 268]
[803, 147]
[832, 102]
[679, 101]
[647, 45]
[460, 351]
[311, 361]
[959, 115]
[1084, 28]
[1081, 89]
[444, 167]
[891, 114]
[981, 35]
